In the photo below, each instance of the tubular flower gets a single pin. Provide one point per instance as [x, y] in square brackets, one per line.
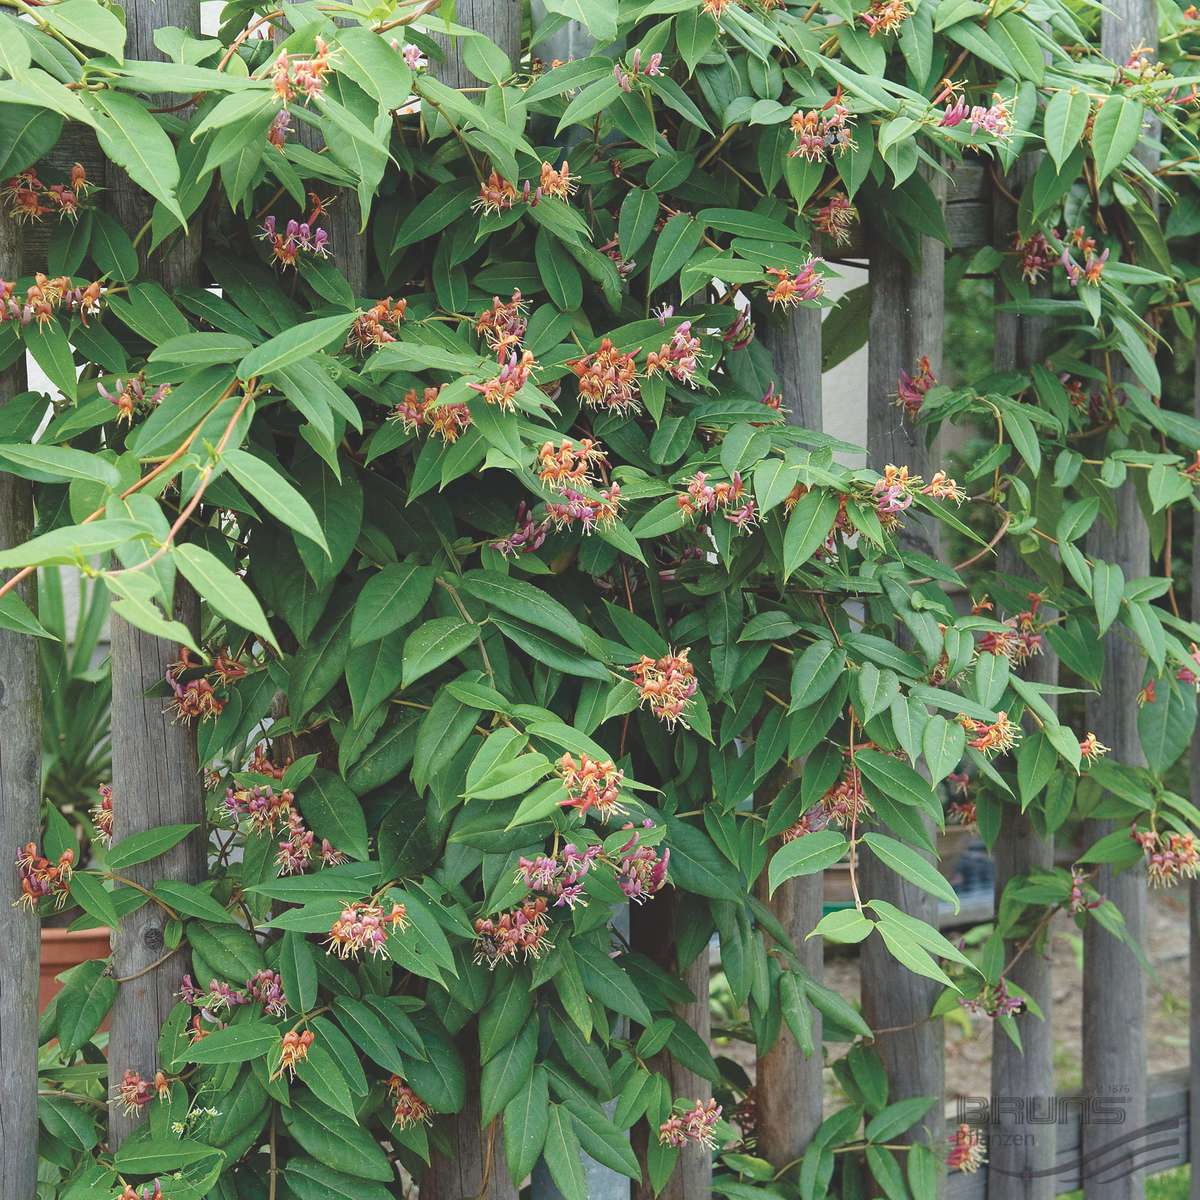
[641, 873]
[1080, 899]
[495, 195]
[994, 1001]
[365, 926]
[279, 129]
[261, 763]
[790, 291]
[961, 812]
[997, 738]
[266, 988]
[666, 686]
[408, 1109]
[448, 421]
[912, 389]
[293, 1050]
[704, 497]
[526, 537]
[46, 296]
[942, 487]
[626, 77]
[845, 802]
[740, 333]
[995, 119]
[502, 391]
[102, 815]
[40, 878]
[696, 1125]
[591, 784]
[1037, 259]
[131, 399]
[1148, 694]
[570, 463]
[560, 877]
[376, 327]
[716, 8]
[295, 851]
[298, 237]
[1091, 748]
[885, 16]
[967, 1151]
[678, 357]
[293, 75]
[220, 996]
[608, 379]
[835, 218]
[576, 509]
[823, 133]
[265, 807]
[28, 198]
[148, 1191]
[522, 931]
[133, 1094]
[503, 325]
[413, 58]
[1170, 857]
[558, 181]
[1091, 270]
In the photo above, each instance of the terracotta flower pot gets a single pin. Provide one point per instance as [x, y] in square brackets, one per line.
[63, 948]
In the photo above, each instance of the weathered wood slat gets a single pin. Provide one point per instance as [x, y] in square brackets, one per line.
[20, 803]
[156, 777]
[1028, 1070]
[907, 311]
[1171, 1132]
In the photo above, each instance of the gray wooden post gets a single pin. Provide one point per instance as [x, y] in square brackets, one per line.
[476, 1166]
[20, 799]
[788, 1086]
[654, 935]
[156, 778]
[1027, 1073]
[907, 310]
[1114, 988]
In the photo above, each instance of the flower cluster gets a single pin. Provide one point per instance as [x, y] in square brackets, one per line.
[148, 1191]
[219, 997]
[994, 119]
[641, 872]
[665, 685]
[408, 1109]
[571, 463]
[527, 536]
[1093, 264]
[845, 802]
[261, 763]
[997, 738]
[520, 932]
[626, 77]
[364, 926]
[1081, 897]
[292, 76]
[894, 491]
[293, 1050]
[823, 133]
[444, 421]
[835, 218]
[28, 198]
[197, 698]
[102, 815]
[377, 326]
[1036, 256]
[967, 1151]
[265, 807]
[559, 876]
[591, 784]
[912, 389]
[1021, 639]
[503, 325]
[678, 357]
[1170, 857]
[298, 237]
[45, 297]
[696, 1125]
[514, 375]
[131, 399]
[885, 16]
[790, 291]
[608, 379]
[707, 498]
[994, 1001]
[41, 879]
[266, 988]
[134, 1093]
[296, 850]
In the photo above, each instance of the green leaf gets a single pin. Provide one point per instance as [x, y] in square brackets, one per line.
[298, 968]
[295, 343]
[391, 598]
[907, 863]
[225, 592]
[815, 672]
[192, 901]
[639, 212]
[525, 602]
[279, 497]
[675, 245]
[331, 810]
[807, 528]
[157, 1155]
[89, 24]
[845, 926]
[943, 743]
[235, 1043]
[1116, 130]
[133, 139]
[895, 779]
[1065, 120]
[805, 855]
[434, 643]
[1108, 590]
[142, 847]
[63, 463]
[563, 1156]
[526, 1123]
[83, 1003]
[697, 866]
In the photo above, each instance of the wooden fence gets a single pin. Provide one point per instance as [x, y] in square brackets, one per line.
[907, 307]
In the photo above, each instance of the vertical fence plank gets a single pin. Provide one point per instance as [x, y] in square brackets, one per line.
[20, 796]
[1114, 988]
[475, 1165]
[1020, 1151]
[653, 930]
[156, 779]
[788, 1086]
[907, 310]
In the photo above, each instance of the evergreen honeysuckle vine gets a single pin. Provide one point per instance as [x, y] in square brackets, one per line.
[516, 581]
